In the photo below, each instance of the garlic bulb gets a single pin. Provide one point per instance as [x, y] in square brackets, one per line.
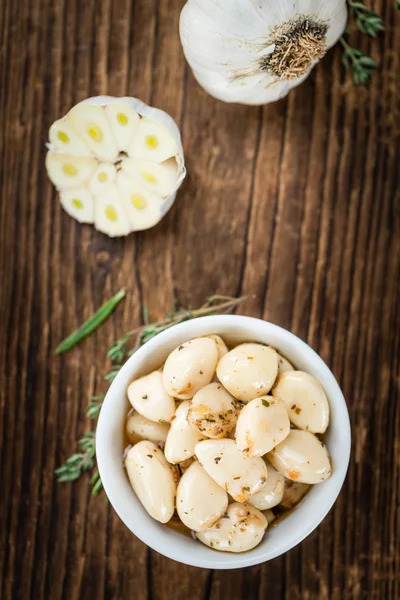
[116, 162]
[255, 52]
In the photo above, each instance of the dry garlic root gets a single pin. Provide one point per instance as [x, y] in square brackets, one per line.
[116, 162]
[237, 431]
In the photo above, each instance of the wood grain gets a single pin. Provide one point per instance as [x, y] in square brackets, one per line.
[295, 204]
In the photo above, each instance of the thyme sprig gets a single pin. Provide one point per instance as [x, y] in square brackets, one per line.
[367, 20]
[85, 460]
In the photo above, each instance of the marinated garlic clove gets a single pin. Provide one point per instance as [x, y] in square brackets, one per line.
[293, 492]
[67, 172]
[305, 400]
[240, 477]
[284, 365]
[109, 215]
[262, 424]
[248, 371]
[200, 501]
[239, 530]
[78, 203]
[123, 121]
[91, 125]
[221, 346]
[152, 480]
[213, 411]
[270, 516]
[63, 138]
[139, 428]
[158, 178]
[152, 142]
[142, 207]
[102, 177]
[301, 457]
[148, 396]
[181, 438]
[272, 493]
[190, 367]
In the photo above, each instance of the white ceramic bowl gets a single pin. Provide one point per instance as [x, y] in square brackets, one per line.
[109, 442]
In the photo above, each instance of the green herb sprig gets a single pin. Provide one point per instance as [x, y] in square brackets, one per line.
[367, 20]
[84, 460]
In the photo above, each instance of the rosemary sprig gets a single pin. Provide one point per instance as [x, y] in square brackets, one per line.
[83, 461]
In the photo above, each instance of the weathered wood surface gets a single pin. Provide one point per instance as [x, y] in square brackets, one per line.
[295, 204]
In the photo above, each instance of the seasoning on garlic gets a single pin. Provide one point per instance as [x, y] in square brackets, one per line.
[262, 424]
[213, 411]
[116, 163]
[256, 52]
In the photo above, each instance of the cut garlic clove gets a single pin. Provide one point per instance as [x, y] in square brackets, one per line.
[123, 121]
[190, 367]
[248, 371]
[78, 203]
[200, 501]
[272, 493]
[284, 365]
[181, 438]
[240, 529]
[293, 492]
[148, 396]
[158, 178]
[301, 457]
[109, 215]
[152, 480]
[213, 411]
[91, 125]
[221, 346]
[102, 177]
[152, 142]
[64, 139]
[67, 172]
[139, 428]
[262, 424]
[142, 206]
[241, 477]
[305, 400]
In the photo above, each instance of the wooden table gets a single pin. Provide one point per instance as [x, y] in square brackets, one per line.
[295, 204]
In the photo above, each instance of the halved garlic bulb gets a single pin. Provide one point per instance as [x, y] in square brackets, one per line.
[262, 424]
[100, 138]
[240, 529]
[78, 202]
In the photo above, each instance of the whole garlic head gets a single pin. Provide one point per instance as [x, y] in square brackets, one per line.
[116, 162]
[255, 52]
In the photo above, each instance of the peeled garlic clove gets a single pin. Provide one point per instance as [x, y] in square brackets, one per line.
[200, 501]
[270, 516]
[152, 480]
[221, 346]
[67, 172]
[284, 365]
[139, 428]
[123, 121]
[158, 178]
[142, 207]
[102, 177]
[190, 367]
[239, 530]
[240, 477]
[293, 492]
[213, 411]
[109, 214]
[272, 493]
[305, 400]
[64, 139]
[148, 396]
[152, 142]
[262, 424]
[78, 203]
[248, 371]
[90, 123]
[182, 438]
[301, 457]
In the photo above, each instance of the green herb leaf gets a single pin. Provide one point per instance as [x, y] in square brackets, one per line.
[91, 324]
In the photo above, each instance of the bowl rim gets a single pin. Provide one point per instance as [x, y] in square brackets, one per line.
[232, 560]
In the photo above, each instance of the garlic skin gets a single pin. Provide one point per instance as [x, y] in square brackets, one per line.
[256, 52]
[97, 140]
